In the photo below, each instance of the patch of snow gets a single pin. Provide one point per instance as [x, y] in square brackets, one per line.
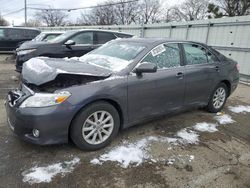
[205, 127]
[224, 119]
[153, 160]
[187, 137]
[133, 153]
[239, 109]
[45, 174]
[95, 161]
[104, 61]
[72, 58]
[170, 161]
[219, 113]
[173, 141]
[37, 65]
[191, 158]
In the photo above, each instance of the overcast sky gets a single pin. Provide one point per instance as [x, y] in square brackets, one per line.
[9, 6]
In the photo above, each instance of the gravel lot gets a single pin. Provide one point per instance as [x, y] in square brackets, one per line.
[160, 153]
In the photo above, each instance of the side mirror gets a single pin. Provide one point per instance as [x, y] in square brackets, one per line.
[145, 67]
[70, 43]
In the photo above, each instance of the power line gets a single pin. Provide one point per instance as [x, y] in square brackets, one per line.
[80, 8]
[13, 12]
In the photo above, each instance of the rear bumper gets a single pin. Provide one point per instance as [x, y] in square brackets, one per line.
[52, 122]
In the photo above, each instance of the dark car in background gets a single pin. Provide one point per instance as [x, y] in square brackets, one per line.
[74, 43]
[120, 84]
[47, 36]
[12, 37]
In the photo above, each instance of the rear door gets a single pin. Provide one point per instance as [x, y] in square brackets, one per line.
[202, 70]
[13, 37]
[159, 92]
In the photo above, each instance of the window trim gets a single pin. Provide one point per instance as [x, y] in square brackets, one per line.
[180, 54]
[207, 50]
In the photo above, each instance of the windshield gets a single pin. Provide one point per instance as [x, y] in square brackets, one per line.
[39, 37]
[114, 56]
[62, 37]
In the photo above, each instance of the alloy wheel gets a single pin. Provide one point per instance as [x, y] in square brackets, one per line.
[98, 127]
[219, 97]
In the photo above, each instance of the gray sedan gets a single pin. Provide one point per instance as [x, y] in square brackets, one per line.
[124, 82]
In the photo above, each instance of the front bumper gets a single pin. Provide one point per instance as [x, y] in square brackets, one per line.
[52, 122]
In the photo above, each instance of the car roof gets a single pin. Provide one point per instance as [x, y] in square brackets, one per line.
[101, 30]
[148, 41]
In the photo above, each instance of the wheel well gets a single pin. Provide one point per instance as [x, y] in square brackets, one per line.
[112, 102]
[228, 84]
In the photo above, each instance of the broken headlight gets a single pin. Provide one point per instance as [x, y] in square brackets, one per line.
[45, 99]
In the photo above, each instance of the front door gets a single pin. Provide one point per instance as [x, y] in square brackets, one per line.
[83, 44]
[160, 92]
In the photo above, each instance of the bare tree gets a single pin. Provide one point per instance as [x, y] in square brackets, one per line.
[114, 12]
[191, 10]
[52, 17]
[110, 12]
[3, 22]
[220, 8]
[150, 11]
[105, 15]
[126, 12]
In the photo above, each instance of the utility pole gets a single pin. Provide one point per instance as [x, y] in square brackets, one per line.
[25, 12]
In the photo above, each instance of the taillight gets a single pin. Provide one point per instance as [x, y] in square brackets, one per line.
[238, 67]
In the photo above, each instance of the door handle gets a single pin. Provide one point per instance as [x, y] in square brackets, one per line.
[217, 68]
[179, 75]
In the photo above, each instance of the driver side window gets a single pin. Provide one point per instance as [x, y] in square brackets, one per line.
[83, 38]
[164, 56]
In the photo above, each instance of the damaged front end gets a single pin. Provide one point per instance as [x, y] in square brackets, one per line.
[49, 75]
[62, 81]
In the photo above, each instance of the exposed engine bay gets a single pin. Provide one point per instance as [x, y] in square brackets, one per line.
[63, 81]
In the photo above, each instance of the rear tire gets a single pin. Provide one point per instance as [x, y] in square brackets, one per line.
[218, 98]
[95, 126]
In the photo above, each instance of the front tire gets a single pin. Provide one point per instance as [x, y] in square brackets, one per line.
[218, 98]
[95, 126]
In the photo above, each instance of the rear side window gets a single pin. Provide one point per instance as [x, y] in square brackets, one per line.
[164, 56]
[15, 34]
[195, 54]
[103, 37]
[211, 57]
[83, 38]
[21, 34]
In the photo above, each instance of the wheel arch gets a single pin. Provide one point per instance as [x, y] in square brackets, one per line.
[228, 84]
[114, 103]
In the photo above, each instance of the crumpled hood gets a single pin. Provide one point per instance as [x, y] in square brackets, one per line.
[32, 44]
[41, 70]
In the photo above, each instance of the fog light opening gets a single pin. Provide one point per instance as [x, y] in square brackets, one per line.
[36, 133]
